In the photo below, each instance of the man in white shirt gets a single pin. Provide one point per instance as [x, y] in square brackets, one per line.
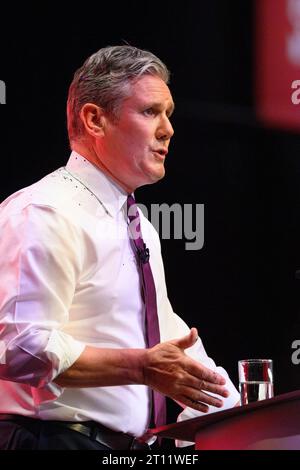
[75, 369]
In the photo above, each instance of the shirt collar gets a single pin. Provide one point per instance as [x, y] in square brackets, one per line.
[110, 194]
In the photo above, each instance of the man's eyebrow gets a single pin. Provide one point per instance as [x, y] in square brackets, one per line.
[159, 105]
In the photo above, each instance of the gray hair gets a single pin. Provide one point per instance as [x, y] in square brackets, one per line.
[105, 79]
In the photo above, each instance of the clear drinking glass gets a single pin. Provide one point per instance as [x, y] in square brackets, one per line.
[255, 380]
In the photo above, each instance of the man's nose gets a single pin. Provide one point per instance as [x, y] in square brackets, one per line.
[165, 130]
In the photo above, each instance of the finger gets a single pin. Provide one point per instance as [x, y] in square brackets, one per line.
[186, 341]
[200, 396]
[207, 386]
[196, 405]
[210, 400]
[203, 373]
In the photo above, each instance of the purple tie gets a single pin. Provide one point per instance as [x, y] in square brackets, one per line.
[149, 294]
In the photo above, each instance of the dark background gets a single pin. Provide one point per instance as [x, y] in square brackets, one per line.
[240, 288]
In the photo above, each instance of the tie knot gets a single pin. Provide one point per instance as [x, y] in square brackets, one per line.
[132, 211]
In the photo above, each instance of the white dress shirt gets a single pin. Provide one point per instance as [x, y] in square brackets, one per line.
[69, 278]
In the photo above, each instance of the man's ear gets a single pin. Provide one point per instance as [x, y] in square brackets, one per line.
[93, 119]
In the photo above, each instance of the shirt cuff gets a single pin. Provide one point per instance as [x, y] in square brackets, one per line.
[62, 350]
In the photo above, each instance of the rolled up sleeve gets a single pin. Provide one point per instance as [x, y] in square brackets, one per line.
[41, 258]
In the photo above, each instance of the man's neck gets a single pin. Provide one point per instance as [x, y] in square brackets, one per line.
[89, 153]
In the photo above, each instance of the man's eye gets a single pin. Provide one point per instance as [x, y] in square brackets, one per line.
[149, 112]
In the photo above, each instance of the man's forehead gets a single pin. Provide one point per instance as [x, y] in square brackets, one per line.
[153, 89]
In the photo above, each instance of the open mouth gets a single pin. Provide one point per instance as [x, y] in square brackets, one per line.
[159, 155]
[160, 152]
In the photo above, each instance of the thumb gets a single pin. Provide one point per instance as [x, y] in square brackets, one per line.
[186, 341]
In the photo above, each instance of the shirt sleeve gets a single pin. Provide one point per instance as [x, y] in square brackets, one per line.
[41, 257]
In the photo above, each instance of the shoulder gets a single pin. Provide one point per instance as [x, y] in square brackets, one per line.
[55, 194]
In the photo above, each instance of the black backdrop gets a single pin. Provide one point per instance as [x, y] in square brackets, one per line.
[240, 288]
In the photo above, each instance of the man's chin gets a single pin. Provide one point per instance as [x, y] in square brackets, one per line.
[153, 174]
[157, 175]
